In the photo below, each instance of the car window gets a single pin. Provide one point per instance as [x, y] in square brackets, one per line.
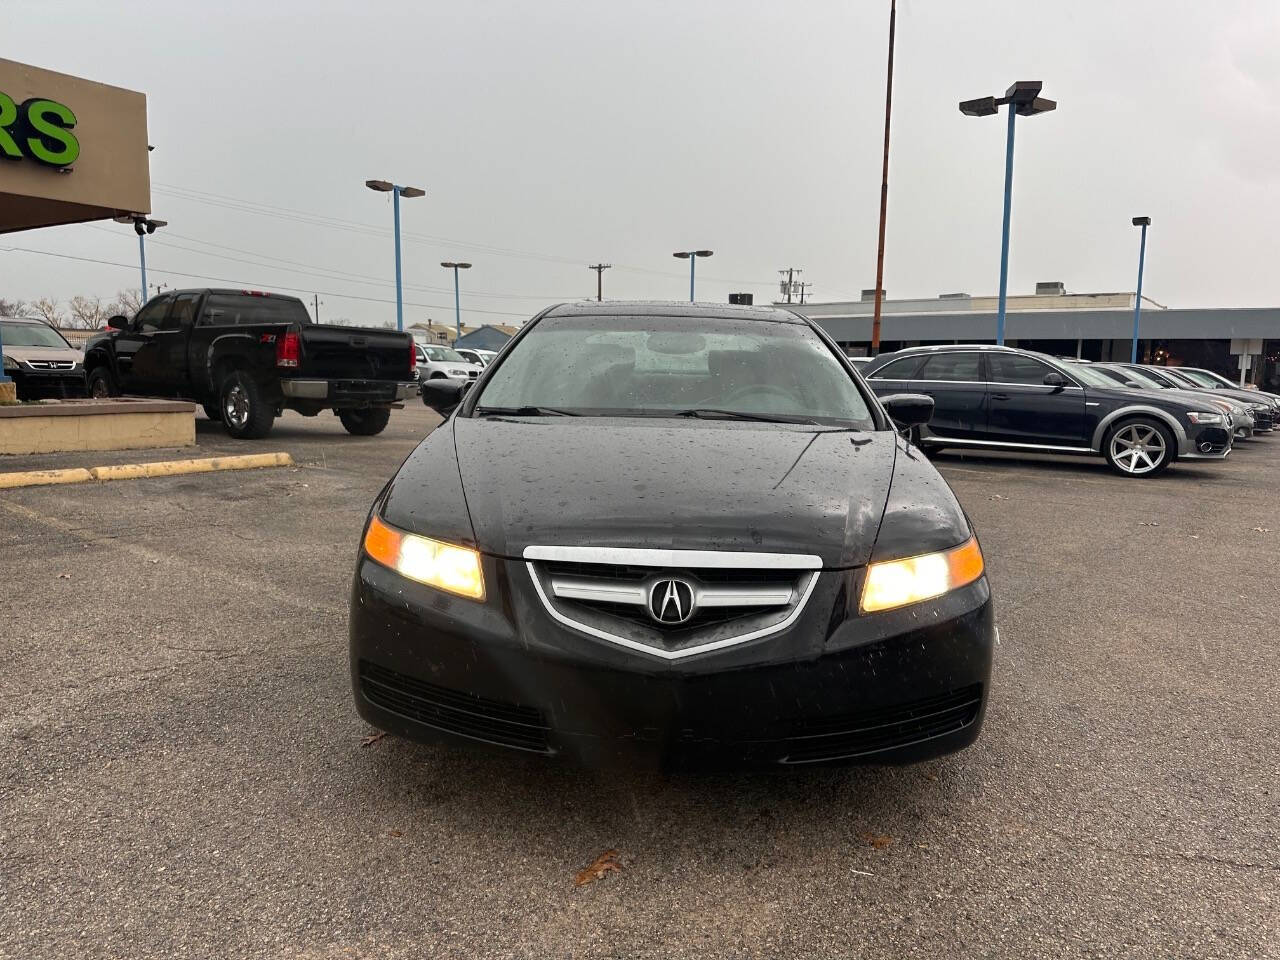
[182, 314]
[659, 366]
[151, 317]
[229, 309]
[31, 335]
[900, 369]
[444, 355]
[1015, 368]
[950, 366]
[1195, 376]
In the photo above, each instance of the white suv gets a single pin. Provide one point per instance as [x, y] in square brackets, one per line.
[436, 361]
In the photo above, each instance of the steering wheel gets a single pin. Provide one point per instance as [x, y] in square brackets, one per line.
[753, 390]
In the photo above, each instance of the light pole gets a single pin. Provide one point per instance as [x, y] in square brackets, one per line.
[600, 268]
[1022, 98]
[1142, 222]
[457, 307]
[396, 191]
[142, 226]
[692, 256]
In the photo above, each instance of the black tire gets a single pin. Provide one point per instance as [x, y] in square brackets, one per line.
[1140, 447]
[245, 414]
[212, 412]
[101, 384]
[365, 423]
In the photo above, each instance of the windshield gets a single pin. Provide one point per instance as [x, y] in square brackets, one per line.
[1203, 379]
[444, 354]
[31, 335]
[1133, 376]
[1094, 378]
[677, 366]
[1179, 378]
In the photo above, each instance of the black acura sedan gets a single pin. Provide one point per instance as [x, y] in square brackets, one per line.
[673, 535]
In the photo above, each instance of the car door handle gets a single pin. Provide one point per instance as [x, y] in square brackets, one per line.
[1000, 396]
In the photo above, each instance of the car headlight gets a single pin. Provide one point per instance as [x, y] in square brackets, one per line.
[457, 373]
[444, 566]
[1204, 418]
[10, 363]
[896, 583]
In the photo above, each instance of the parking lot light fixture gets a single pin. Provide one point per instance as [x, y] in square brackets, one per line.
[457, 307]
[1142, 222]
[1022, 99]
[396, 191]
[143, 227]
[692, 256]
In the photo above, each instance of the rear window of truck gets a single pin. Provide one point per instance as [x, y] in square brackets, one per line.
[229, 309]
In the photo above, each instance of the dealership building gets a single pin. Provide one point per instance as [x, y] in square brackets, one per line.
[1235, 341]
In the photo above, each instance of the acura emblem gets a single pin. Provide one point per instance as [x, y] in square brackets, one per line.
[670, 601]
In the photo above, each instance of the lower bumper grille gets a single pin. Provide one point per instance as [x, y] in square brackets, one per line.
[865, 734]
[494, 721]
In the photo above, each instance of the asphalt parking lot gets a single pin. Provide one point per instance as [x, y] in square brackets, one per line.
[183, 772]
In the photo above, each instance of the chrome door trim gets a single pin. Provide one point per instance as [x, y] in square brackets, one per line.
[644, 557]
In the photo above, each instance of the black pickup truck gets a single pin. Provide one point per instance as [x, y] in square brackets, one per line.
[248, 356]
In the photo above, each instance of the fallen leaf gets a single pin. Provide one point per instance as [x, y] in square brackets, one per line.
[1261, 530]
[373, 738]
[1144, 523]
[395, 833]
[605, 863]
[64, 576]
[877, 840]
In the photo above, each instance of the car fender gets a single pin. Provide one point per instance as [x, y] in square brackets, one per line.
[1100, 431]
[228, 350]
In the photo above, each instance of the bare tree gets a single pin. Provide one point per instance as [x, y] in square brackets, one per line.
[48, 310]
[128, 302]
[12, 308]
[87, 312]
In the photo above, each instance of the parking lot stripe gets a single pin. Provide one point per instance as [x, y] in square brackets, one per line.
[135, 471]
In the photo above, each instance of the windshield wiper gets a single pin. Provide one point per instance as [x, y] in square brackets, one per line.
[710, 413]
[525, 412]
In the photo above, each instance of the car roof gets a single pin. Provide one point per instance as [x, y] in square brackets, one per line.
[671, 308]
[939, 347]
[26, 320]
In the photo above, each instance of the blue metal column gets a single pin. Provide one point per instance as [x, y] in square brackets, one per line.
[395, 206]
[142, 259]
[1137, 300]
[693, 258]
[3, 376]
[1004, 241]
[457, 308]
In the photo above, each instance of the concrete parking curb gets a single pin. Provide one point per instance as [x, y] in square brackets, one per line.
[135, 471]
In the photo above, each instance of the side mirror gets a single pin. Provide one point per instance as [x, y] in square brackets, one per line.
[118, 322]
[908, 409]
[1132, 385]
[1054, 379]
[443, 395]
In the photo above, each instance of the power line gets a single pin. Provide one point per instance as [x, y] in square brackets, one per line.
[314, 219]
[252, 284]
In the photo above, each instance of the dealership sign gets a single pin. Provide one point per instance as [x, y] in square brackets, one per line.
[38, 129]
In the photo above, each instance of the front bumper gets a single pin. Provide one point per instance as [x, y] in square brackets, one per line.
[835, 686]
[349, 392]
[1205, 442]
[51, 384]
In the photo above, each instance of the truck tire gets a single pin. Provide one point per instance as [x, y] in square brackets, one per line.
[101, 384]
[245, 414]
[365, 423]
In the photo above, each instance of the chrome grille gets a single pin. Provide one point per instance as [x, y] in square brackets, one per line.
[732, 597]
[51, 364]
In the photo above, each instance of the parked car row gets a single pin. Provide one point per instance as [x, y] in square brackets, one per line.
[1140, 419]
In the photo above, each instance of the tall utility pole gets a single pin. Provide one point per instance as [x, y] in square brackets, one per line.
[599, 268]
[787, 285]
[317, 300]
[884, 185]
[804, 290]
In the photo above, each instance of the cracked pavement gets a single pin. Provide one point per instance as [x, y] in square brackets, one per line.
[181, 769]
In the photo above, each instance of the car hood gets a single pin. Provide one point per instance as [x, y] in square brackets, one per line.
[43, 353]
[1173, 400]
[673, 484]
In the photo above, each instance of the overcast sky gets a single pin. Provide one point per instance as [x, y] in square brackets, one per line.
[555, 134]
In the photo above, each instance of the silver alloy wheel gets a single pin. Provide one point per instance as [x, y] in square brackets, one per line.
[235, 406]
[99, 389]
[1138, 448]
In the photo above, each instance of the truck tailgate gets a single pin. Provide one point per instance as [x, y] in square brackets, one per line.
[331, 352]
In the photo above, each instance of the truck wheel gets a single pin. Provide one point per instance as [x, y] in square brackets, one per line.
[100, 384]
[365, 423]
[212, 411]
[245, 414]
